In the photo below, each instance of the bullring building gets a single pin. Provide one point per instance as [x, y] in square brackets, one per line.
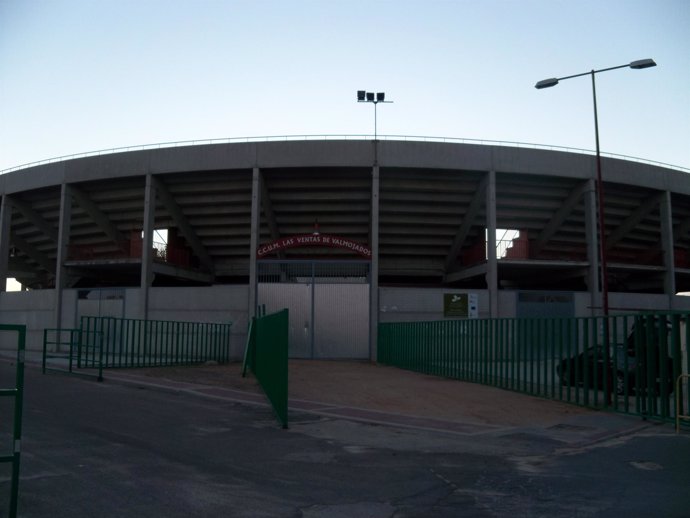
[344, 233]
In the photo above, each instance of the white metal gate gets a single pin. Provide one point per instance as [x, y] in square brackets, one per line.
[328, 303]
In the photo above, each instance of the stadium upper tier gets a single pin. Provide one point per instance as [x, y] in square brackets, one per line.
[426, 209]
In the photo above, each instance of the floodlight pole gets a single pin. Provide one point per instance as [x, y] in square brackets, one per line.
[374, 98]
[547, 83]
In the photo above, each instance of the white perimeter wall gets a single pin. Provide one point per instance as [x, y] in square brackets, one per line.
[223, 304]
[34, 309]
[419, 304]
[215, 304]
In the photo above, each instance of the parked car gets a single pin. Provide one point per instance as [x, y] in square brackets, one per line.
[630, 372]
[572, 370]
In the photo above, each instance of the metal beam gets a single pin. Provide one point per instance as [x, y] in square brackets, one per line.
[35, 255]
[559, 217]
[467, 222]
[467, 273]
[35, 218]
[97, 215]
[181, 273]
[631, 221]
[183, 224]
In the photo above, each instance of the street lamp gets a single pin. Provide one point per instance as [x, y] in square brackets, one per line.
[370, 97]
[553, 81]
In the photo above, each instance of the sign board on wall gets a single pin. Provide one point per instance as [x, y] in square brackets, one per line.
[323, 240]
[460, 305]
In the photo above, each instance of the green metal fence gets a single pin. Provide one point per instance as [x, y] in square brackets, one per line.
[16, 392]
[267, 356]
[60, 348]
[627, 363]
[108, 342]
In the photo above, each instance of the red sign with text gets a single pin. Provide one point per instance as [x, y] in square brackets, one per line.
[313, 240]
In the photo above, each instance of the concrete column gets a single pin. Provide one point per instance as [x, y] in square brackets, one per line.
[64, 226]
[491, 259]
[591, 231]
[146, 279]
[666, 214]
[5, 225]
[374, 272]
[255, 229]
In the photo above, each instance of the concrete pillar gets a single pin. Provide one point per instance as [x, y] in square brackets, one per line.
[666, 215]
[62, 252]
[5, 225]
[374, 273]
[592, 236]
[255, 229]
[491, 259]
[146, 279]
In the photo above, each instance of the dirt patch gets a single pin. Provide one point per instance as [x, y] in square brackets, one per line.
[388, 389]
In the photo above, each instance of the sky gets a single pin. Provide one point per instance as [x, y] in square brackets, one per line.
[84, 75]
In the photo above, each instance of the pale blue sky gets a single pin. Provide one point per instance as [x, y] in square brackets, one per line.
[82, 75]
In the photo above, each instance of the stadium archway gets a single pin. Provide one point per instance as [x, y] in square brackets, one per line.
[328, 300]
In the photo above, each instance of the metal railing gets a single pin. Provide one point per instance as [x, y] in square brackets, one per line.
[17, 392]
[626, 363]
[278, 138]
[61, 354]
[128, 343]
[107, 342]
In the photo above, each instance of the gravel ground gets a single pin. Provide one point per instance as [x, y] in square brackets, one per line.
[388, 389]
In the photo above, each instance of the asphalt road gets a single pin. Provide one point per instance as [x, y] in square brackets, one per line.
[110, 450]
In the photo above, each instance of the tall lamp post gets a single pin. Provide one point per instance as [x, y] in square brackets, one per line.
[547, 83]
[369, 97]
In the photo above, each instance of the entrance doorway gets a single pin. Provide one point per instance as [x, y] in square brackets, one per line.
[328, 303]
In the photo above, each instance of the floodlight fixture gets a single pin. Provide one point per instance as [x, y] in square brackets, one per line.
[372, 97]
[553, 81]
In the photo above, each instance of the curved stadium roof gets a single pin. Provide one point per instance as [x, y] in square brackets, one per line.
[432, 211]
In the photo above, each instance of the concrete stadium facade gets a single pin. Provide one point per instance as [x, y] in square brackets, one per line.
[427, 213]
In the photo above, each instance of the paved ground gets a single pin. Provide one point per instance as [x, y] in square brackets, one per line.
[364, 441]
